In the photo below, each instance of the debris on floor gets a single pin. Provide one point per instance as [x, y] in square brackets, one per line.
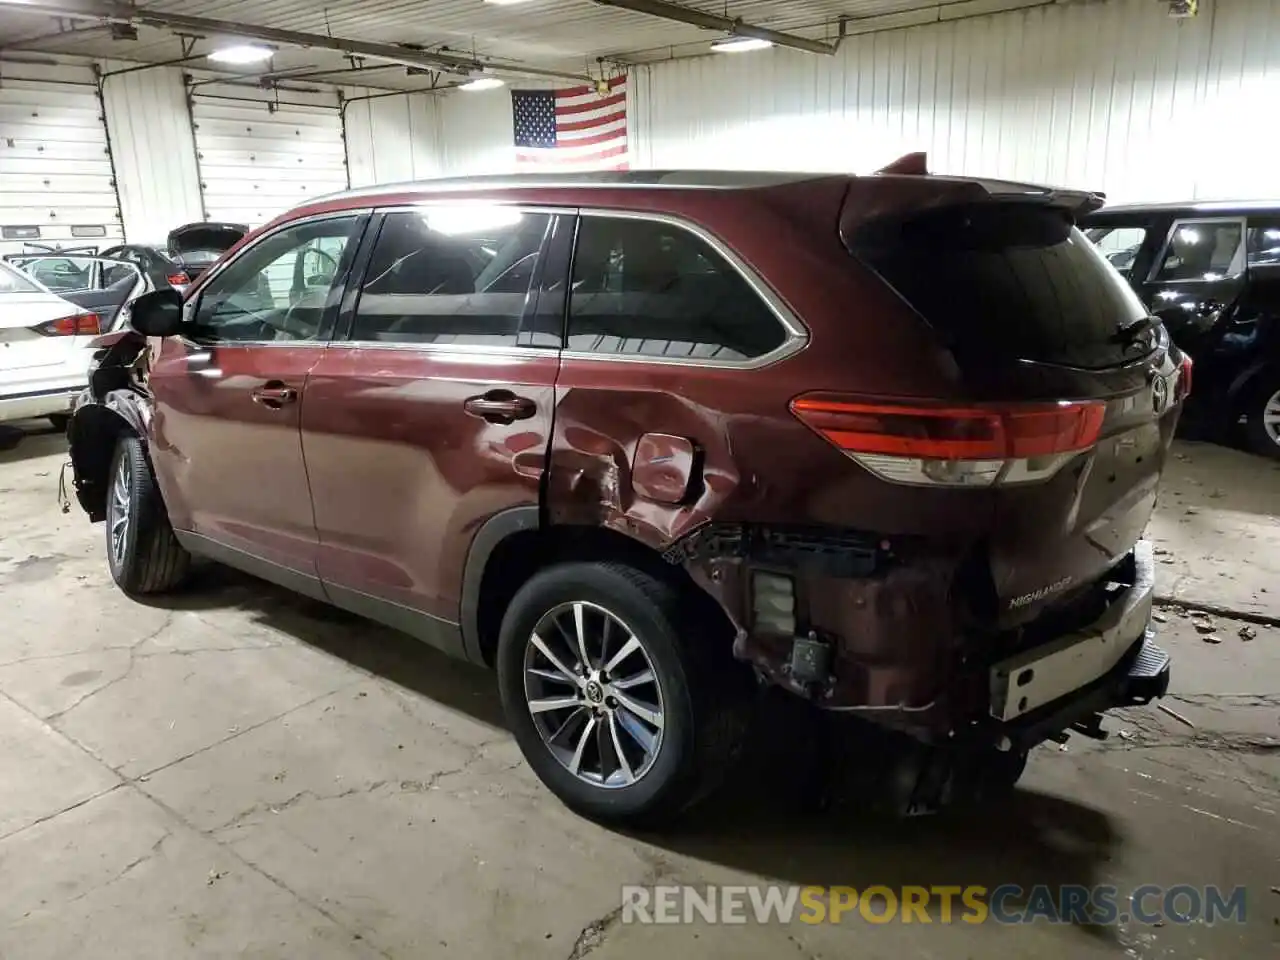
[1247, 632]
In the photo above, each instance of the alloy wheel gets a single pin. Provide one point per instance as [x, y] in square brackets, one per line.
[118, 510]
[593, 694]
[1271, 418]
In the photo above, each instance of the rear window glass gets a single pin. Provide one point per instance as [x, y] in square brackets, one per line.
[1000, 281]
[12, 281]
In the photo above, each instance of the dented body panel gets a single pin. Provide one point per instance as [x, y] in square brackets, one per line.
[384, 492]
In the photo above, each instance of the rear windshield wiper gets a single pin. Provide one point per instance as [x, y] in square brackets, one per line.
[1131, 332]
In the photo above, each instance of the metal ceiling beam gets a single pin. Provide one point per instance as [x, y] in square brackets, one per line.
[112, 11]
[73, 33]
[710, 21]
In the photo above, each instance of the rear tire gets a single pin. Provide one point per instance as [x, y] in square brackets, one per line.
[1262, 418]
[601, 759]
[143, 554]
[59, 421]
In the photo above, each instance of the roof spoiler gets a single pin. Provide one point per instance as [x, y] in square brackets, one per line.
[905, 186]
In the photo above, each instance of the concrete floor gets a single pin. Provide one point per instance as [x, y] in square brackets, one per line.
[241, 773]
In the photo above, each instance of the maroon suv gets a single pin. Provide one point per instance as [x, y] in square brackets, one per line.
[641, 441]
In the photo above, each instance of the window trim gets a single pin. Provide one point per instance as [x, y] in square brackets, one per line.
[346, 320]
[797, 336]
[192, 303]
[1239, 262]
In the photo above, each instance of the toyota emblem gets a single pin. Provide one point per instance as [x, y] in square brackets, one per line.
[1160, 394]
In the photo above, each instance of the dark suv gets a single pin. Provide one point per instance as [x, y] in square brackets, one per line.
[1211, 272]
[646, 441]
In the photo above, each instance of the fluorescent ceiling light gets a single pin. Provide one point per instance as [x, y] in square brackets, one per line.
[242, 53]
[740, 45]
[482, 83]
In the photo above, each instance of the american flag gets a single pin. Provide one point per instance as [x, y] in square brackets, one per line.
[573, 129]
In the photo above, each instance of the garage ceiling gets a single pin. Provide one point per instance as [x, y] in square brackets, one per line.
[569, 36]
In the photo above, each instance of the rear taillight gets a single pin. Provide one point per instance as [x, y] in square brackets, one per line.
[935, 444]
[1183, 389]
[77, 325]
[178, 280]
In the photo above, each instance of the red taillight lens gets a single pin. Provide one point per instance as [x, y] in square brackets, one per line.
[78, 325]
[1184, 378]
[952, 433]
[960, 445]
[178, 280]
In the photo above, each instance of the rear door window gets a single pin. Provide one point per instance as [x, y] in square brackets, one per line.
[1003, 280]
[450, 276]
[649, 288]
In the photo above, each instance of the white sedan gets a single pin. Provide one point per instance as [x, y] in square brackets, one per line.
[44, 348]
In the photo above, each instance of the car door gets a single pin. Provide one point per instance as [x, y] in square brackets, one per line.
[432, 413]
[228, 391]
[1196, 278]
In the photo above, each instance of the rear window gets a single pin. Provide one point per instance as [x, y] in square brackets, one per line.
[12, 281]
[1000, 281]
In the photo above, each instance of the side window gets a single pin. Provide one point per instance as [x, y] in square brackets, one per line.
[117, 273]
[1120, 245]
[650, 289]
[1264, 241]
[1202, 250]
[450, 275]
[279, 288]
[63, 274]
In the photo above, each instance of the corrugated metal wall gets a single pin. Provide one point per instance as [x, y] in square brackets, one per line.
[1114, 96]
[1108, 95]
[151, 144]
[390, 139]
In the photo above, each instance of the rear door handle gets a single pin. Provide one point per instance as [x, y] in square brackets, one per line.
[274, 394]
[500, 406]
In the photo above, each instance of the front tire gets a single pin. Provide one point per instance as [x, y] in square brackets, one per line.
[614, 694]
[142, 552]
[1262, 418]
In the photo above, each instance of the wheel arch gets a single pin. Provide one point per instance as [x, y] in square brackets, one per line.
[1240, 391]
[513, 545]
[92, 435]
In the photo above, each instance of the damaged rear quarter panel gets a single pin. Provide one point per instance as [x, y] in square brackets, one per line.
[746, 460]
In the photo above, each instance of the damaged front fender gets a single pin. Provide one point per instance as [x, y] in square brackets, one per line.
[116, 402]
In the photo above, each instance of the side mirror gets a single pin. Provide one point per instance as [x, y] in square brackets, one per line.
[157, 314]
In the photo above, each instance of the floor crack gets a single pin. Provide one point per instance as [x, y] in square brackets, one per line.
[133, 662]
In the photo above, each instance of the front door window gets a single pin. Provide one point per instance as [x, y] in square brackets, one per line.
[1202, 250]
[279, 289]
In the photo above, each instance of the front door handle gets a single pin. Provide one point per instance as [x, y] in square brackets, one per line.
[500, 406]
[274, 394]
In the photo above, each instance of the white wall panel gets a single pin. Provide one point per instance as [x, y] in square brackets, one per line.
[259, 155]
[391, 139]
[151, 143]
[1114, 96]
[476, 132]
[56, 177]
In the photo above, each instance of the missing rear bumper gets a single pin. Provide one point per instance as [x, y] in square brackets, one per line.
[1141, 676]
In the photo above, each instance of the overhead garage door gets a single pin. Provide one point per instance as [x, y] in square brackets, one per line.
[261, 152]
[57, 186]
